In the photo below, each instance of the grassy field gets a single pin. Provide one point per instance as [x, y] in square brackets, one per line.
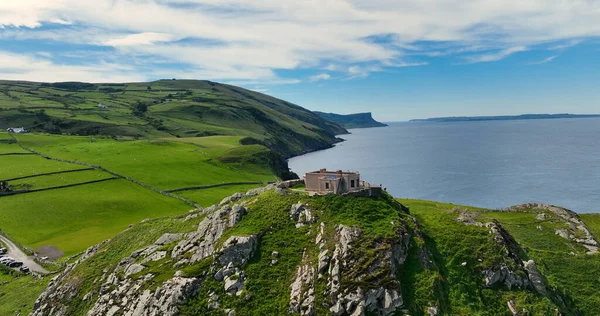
[27, 165]
[53, 180]
[164, 164]
[75, 218]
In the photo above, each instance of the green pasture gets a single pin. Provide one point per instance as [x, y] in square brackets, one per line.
[14, 166]
[53, 180]
[163, 164]
[75, 218]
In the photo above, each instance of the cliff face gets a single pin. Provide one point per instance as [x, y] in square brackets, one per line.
[358, 120]
[271, 251]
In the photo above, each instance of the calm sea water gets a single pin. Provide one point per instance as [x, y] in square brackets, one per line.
[490, 164]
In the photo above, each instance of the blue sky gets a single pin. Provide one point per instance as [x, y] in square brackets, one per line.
[397, 59]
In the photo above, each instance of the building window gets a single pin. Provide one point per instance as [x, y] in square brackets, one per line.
[326, 185]
[352, 183]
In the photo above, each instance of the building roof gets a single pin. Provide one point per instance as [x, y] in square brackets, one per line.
[325, 171]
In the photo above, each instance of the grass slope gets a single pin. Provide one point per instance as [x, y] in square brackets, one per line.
[18, 292]
[568, 270]
[458, 289]
[164, 108]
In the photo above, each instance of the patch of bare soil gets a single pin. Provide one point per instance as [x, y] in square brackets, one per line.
[50, 251]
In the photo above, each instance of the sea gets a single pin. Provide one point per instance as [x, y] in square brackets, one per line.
[491, 164]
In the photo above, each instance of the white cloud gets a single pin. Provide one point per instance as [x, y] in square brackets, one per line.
[146, 38]
[61, 21]
[566, 45]
[543, 61]
[251, 40]
[32, 68]
[318, 77]
[483, 58]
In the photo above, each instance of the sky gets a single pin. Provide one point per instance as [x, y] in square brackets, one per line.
[397, 59]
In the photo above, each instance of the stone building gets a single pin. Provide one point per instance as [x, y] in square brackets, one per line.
[336, 182]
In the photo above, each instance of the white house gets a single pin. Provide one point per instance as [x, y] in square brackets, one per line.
[16, 130]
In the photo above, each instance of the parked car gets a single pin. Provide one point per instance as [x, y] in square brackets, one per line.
[3, 251]
[15, 264]
[5, 260]
[24, 269]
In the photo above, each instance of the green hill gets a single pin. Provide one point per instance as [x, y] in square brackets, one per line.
[164, 108]
[276, 251]
[358, 120]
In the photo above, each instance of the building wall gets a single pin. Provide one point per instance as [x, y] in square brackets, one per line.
[311, 180]
[340, 185]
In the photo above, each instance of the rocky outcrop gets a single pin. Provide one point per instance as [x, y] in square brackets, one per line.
[302, 295]
[378, 299]
[201, 243]
[504, 276]
[238, 250]
[128, 299]
[301, 214]
[536, 278]
[125, 290]
[60, 289]
[576, 229]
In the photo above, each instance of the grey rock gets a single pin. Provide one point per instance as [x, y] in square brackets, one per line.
[234, 284]
[504, 276]
[301, 214]
[167, 238]
[541, 217]
[535, 277]
[323, 262]
[238, 249]
[337, 309]
[302, 296]
[281, 191]
[237, 212]
[562, 232]
[155, 256]
[133, 269]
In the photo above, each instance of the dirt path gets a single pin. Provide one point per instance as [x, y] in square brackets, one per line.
[16, 253]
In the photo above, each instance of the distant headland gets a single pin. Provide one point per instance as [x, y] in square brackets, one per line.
[357, 120]
[505, 117]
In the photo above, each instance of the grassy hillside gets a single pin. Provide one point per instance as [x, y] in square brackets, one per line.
[568, 271]
[165, 108]
[443, 269]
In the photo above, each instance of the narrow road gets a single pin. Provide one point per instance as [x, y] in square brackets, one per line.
[17, 254]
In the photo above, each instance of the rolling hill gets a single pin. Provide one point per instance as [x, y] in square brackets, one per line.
[164, 108]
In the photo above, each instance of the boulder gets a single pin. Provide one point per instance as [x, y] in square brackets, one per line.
[535, 277]
[238, 249]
